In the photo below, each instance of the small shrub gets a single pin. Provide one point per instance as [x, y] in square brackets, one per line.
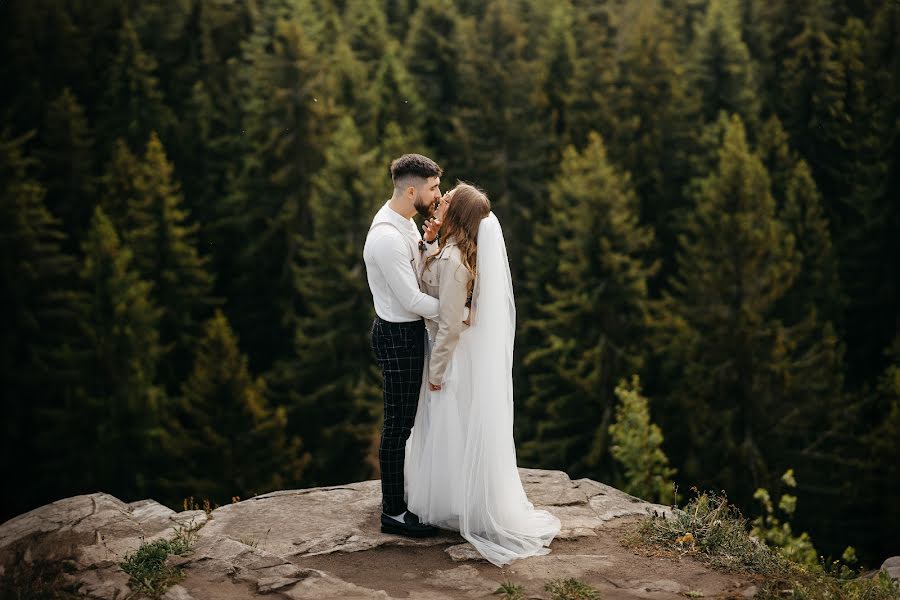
[714, 531]
[571, 589]
[150, 575]
[511, 591]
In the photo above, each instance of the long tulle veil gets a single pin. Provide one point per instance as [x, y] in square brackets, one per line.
[462, 459]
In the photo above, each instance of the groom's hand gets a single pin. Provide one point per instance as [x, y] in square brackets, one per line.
[430, 227]
[435, 388]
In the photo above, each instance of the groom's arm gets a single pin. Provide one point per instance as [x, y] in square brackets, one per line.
[391, 254]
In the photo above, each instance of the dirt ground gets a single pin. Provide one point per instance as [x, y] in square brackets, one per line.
[429, 572]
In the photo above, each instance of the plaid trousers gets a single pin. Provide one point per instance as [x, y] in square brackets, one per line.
[400, 351]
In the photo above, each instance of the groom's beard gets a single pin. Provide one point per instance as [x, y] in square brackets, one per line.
[425, 209]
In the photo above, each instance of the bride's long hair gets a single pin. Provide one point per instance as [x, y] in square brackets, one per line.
[468, 207]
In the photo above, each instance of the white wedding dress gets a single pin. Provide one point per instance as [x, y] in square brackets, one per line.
[460, 469]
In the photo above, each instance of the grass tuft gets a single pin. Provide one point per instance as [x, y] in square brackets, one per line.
[511, 591]
[150, 575]
[571, 589]
[714, 531]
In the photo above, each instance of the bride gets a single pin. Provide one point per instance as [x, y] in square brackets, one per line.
[461, 471]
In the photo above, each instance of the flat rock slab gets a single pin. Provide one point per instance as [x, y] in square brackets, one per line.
[310, 522]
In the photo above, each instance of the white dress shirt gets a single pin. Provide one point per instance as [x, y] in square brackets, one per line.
[393, 266]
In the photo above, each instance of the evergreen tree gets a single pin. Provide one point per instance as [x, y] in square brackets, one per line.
[117, 185]
[433, 48]
[501, 135]
[740, 393]
[863, 195]
[595, 31]
[592, 322]
[756, 32]
[165, 251]
[207, 170]
[655, 121]
[40, 356]
[330, 383]
[800, 205]
[206, 143]
[809, 74]
[170, 33]
[367, 31]
[811, 97]
[224, 436]
[349, 78]
[394, 99]
[687, 18]
[637, 446]
[721, 68]
[133, 105]
[883, 446]
[287, 111]
[66, 156]
[119, 413]
[44, 46]
[817, 287]
[556, 53]
[398, 14]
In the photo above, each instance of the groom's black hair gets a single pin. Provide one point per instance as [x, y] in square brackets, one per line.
[414, 164]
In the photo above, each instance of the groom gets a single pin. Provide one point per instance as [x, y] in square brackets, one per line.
[394, 253]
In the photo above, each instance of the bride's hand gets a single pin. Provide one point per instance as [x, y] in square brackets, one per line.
[434, 388]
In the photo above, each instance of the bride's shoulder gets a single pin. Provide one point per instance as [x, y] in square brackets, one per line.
[451, 252]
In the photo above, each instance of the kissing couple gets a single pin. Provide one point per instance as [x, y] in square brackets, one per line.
[443, 338]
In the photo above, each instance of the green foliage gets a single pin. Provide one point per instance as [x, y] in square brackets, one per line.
[498, 80]
[432, 57]
[654, 117]
[121, 406]
[225, 437]
[287, 106]
[738, 361]
[879, 587]
[42, 352]
[714, 530]
[367, 30]
[133, 105]
[711, 529]
[511, 591]
[769, 528]
[395, 100]
[882, 442]
[571, 589]
[330, 382]
[66, 156]
[637, 446]
[150, 575]
[164, 243]
[595, 291]
[721, 67]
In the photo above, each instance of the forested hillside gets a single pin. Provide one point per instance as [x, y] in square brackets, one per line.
[703, 193]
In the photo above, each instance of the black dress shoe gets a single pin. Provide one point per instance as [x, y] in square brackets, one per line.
[410, 527]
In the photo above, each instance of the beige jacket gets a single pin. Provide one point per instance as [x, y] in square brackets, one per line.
[447, 279]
